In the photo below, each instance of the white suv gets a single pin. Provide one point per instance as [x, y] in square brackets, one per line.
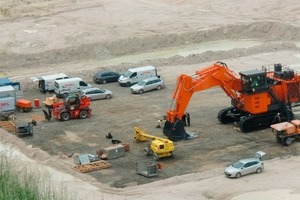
[154, 83]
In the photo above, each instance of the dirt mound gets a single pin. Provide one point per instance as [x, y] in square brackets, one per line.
[263, 31]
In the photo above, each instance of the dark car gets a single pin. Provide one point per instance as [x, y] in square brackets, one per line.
[106, 77]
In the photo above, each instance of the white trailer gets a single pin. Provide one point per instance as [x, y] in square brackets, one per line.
[7, 104]
[7, 101]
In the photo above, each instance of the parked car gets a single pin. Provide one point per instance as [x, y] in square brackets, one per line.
[96, 93]
[153, 83]
[106, 76]
[246, 166]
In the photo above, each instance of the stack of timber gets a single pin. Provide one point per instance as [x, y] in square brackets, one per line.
[92, 166]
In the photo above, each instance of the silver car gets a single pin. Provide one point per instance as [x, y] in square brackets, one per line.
[246, 166]
[154, 83]
[96, 93]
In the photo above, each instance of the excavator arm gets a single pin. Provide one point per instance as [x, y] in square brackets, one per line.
[216, 74]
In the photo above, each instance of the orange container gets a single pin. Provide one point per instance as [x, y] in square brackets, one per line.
[36, 103]
[23, 103]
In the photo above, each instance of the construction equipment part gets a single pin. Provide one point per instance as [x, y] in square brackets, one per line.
[9, 126]
[258, 97]
[92, 166]
[6, 115]
[50, 100]
[19, 130]
[159, 147]
[73, 106]
[112, 152]
[147, 168]
[83, 159]
[286, 132]
[24, 105]
[25, 129]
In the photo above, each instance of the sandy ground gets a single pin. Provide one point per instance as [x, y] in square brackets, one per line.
[79, 37]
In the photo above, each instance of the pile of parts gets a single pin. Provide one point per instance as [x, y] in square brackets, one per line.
[19, 130]
[95, 161]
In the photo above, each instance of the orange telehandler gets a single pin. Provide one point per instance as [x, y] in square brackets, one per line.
[259, 98]
[73, 106]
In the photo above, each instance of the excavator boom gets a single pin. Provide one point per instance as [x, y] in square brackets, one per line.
[217, 74]
[258, 97]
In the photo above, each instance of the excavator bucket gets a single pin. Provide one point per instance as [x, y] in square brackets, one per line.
[175, 131]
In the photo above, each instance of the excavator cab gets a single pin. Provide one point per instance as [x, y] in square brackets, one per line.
[253, 81]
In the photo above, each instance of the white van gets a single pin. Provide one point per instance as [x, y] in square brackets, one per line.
[134, 75]
[46, 83]
[71, 85]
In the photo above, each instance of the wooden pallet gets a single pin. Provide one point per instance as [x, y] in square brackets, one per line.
[8, 126]
[92, 166]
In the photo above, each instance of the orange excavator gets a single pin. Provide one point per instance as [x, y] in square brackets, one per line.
[259, 98]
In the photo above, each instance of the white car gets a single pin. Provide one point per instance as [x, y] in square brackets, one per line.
[246, 166]
[154, 83]
[96, 93]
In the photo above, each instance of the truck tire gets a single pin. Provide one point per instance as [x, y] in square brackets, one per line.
[65, 116]
[288, 141]
[279, 140]
[83, 114]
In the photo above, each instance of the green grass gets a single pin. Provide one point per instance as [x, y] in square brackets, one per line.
[24, 185]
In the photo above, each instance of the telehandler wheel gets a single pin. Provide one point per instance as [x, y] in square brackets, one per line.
[65, 116]
[83, 114]
[155, 156]
[147, 151]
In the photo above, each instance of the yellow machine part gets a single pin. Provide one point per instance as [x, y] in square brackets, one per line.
[163, 147]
